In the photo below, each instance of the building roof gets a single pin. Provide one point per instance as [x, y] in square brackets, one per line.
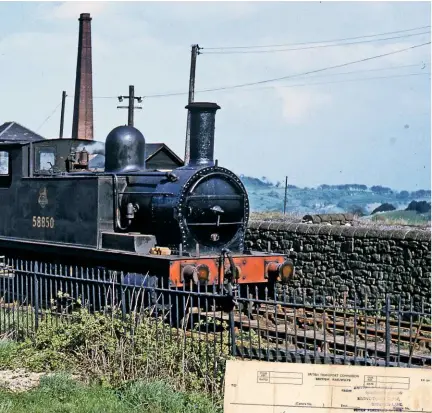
[153, 148]
[13, 131]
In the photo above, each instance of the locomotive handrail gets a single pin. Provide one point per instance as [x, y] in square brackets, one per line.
[116, 204]
[137, 173]
[146, 193]
[212, 223]
[216, 196]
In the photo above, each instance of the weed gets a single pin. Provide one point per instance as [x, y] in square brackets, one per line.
[111, 349]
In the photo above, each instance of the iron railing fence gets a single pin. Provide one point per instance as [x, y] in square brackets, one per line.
[199, 321]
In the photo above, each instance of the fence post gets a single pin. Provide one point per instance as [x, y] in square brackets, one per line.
[231, 323]
[36, 294]
[387, 331]
[123, 298]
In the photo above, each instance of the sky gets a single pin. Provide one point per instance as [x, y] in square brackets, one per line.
[342, 129]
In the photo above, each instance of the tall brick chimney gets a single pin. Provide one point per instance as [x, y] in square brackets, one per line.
[82, 125]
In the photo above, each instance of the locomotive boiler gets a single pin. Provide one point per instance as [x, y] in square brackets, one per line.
[204, 205]
[183, 225]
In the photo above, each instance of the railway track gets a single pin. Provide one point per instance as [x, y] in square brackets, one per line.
[321, 334]
[365, 327]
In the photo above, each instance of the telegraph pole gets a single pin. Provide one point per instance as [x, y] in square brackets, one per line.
[130, 107]
[194, 54]
[62, 114]
[286, 190]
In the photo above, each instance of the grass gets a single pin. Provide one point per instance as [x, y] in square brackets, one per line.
[117, 357]
[8, 353]
[60, 393]
[403, 218]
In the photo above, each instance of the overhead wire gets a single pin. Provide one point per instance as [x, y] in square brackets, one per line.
[295, 75]
[303, 84]
[316, 46]
[423, 66]
[316, 42]
[49, 116]
[378, 69]
[343, 81]
[169, 94]
[313, 47]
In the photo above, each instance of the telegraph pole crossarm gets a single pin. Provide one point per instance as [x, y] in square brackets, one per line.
[130, 107]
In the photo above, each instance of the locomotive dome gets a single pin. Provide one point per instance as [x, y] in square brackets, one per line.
[124, 150]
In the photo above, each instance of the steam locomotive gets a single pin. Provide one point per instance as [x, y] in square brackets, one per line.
[184, 225]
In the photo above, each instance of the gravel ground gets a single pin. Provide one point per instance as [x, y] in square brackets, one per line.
[19, 380]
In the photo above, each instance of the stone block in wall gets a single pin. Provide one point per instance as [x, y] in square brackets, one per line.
[308, 248]
[318, 281]
[347, 246]
[383, 246]
[355, 264]
[386, 259]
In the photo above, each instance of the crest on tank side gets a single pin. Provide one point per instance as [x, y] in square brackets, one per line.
[43, 197]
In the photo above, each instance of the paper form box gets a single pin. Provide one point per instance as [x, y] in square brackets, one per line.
[278, 377]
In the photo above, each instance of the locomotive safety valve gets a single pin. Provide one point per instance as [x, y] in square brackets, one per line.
[280, 272]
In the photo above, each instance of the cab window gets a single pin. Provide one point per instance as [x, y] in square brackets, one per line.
[4, 163]
[45, 158]
[5, 170]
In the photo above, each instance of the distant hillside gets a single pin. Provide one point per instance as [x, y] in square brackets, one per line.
[359, 199]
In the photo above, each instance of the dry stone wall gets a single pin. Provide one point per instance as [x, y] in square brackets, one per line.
[354, 263]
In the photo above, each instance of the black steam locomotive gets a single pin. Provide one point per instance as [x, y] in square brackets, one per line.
[183, 225]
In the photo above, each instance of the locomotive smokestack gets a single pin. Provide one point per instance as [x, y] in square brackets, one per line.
[82, 126]
[202, 130]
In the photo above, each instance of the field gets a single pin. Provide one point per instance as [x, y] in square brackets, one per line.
[408, 217]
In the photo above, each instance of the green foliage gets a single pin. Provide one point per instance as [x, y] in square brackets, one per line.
[383, 208]
[111, 349]
[8, 354]
[59, 393]
[422, 207]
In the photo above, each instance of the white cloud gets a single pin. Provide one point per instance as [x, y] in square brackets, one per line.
[298, 105]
